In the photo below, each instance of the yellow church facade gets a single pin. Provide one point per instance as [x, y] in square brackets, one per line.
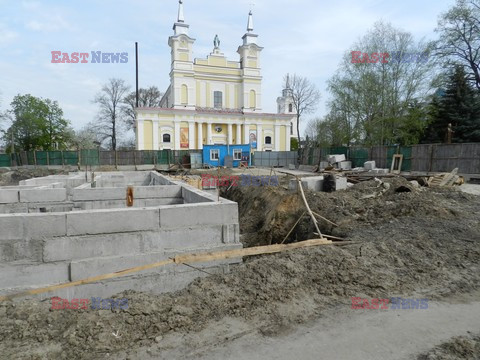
[213, 100]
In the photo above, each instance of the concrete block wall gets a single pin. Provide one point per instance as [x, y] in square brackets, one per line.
[47, 248]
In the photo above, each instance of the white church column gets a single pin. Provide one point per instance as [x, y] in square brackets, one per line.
[200, 136]
[230, 135]
[238, 138]
[259, 137]
[209, 133]
[177, 136]
[277, 137]
[155, 135]
[191, 135]
[141, 140]
[287, 137]
[246, 134]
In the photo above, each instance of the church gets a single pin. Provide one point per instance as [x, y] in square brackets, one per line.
[215, 101]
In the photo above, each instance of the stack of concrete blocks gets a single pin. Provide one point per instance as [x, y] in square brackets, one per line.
[314, 183]
[49, 248]
[340, 162]
[370, 166]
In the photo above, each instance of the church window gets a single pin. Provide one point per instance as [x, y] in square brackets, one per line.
[184, 94]
[290, 107]
[217, 99]
[268, 140]
[253, 99]
[166, 138]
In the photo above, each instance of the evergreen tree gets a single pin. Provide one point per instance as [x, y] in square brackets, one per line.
[458, 105]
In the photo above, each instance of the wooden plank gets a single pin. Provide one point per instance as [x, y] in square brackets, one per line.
[179, 259]
[448, 177]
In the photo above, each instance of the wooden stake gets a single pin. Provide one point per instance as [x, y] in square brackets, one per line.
[308, 208]
[293, 227]
[321, 217]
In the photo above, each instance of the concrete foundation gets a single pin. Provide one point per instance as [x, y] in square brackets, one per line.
[63, 228]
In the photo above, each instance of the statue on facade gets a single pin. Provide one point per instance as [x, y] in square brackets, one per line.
[216, 42]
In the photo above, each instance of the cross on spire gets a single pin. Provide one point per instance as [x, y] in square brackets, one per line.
[181, 17]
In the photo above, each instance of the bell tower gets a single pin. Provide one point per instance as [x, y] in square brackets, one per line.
[182, 82]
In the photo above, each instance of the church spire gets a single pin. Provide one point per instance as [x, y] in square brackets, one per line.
[250, 22]
[181, 17]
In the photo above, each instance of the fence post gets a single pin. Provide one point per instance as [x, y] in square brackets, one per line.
[116, 160]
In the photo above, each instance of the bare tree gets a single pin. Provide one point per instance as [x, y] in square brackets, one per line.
[459, 41]
[111, 114]
[149, 97]
[305, 96]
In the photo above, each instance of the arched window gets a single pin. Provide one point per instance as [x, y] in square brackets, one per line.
[166, 138]
[184, 95]
[268, 140]
[253, 99]
[290, 107]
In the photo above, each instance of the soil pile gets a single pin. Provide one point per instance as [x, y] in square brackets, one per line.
[459, 348]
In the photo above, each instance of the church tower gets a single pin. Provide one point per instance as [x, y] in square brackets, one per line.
[285, 104]
[251, 87]
[183, 85]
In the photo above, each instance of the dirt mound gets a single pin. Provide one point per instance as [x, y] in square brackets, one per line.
[459, 348]
[268, 213]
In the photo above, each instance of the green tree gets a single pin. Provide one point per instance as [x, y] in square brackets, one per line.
[36, 124]
[371, 100]
[458, 105]
[111, 116]
[459, 40]
[149, 97]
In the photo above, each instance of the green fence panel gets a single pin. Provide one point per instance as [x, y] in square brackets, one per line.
[31, 157]
[5, 160]
[55, 158]
[70, 158]
[358, 156]
[406, 151]
[89, 157]
[148, 157]
[163, 157]
[42, 157]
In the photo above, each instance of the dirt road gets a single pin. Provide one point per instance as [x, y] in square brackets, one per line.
[341, 334]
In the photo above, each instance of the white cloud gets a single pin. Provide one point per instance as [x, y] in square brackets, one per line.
[7, 36]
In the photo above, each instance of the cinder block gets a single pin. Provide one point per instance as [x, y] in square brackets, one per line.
[345, 165]
[198, 214]
[323, 165]
[41, 226]
[11, 227]
[340, 183]
[99, 194]
[314, 183]
[82, 247]
[369, 165]
[333, 159]
[81, 269]
[43, 195]
[191, 237]
[112, 221]
[165, 191]
[15, 276]
[8, 196]
[291, 166]
[191, 196]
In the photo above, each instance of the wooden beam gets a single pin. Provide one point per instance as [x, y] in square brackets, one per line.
[179, 259]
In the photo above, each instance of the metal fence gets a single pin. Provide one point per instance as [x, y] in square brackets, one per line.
[88, 157]
[274, 158]
[424, 158]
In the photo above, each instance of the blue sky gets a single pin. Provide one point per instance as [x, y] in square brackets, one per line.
[307, 37]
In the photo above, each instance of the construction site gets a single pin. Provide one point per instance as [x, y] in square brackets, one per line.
[254, 262]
